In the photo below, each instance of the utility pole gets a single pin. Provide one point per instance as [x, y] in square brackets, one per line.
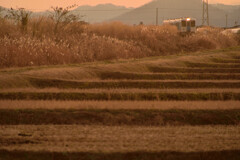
[156, 16]
[205, 14]
[226, 20]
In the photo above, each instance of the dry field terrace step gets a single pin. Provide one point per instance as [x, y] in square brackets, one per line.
[160, 113]
[129, 140]
[116, 105]
[120, 117]
[161, 84]
[143, 155]
[212, 65]
[225, 60]
[169, 76]
[160, 69]
[121, 94]
[111, 96]
[120, 90]
[237, 57]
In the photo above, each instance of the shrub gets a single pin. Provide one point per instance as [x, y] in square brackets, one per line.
[78, 42]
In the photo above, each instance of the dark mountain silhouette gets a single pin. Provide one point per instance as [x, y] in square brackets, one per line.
[169, 9]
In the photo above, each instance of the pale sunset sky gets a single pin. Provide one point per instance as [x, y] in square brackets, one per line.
[39, 5]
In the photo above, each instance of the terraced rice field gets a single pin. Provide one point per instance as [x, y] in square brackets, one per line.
[160, 108]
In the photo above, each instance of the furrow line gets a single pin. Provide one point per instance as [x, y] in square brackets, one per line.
[224, 96]
[56, 83]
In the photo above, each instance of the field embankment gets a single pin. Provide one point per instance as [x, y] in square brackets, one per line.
[169, 107]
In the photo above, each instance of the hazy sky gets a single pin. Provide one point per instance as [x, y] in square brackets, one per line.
[46, 4]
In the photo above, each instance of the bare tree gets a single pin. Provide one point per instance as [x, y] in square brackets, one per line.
[21, 16]
[63, 16]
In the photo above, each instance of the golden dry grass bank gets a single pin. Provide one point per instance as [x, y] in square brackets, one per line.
[77, 42]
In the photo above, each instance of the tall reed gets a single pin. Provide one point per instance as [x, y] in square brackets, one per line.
[78, 42]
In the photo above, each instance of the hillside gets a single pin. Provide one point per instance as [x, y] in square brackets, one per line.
[91, 14]
[228, 8]
[101, 12]
[179, 8]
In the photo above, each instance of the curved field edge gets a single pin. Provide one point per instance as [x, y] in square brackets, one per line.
[143, 155]
[143, 117]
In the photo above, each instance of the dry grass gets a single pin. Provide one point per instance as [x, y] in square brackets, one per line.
[119, 90]
[115, 105]
[73, 138]
[77, 43]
